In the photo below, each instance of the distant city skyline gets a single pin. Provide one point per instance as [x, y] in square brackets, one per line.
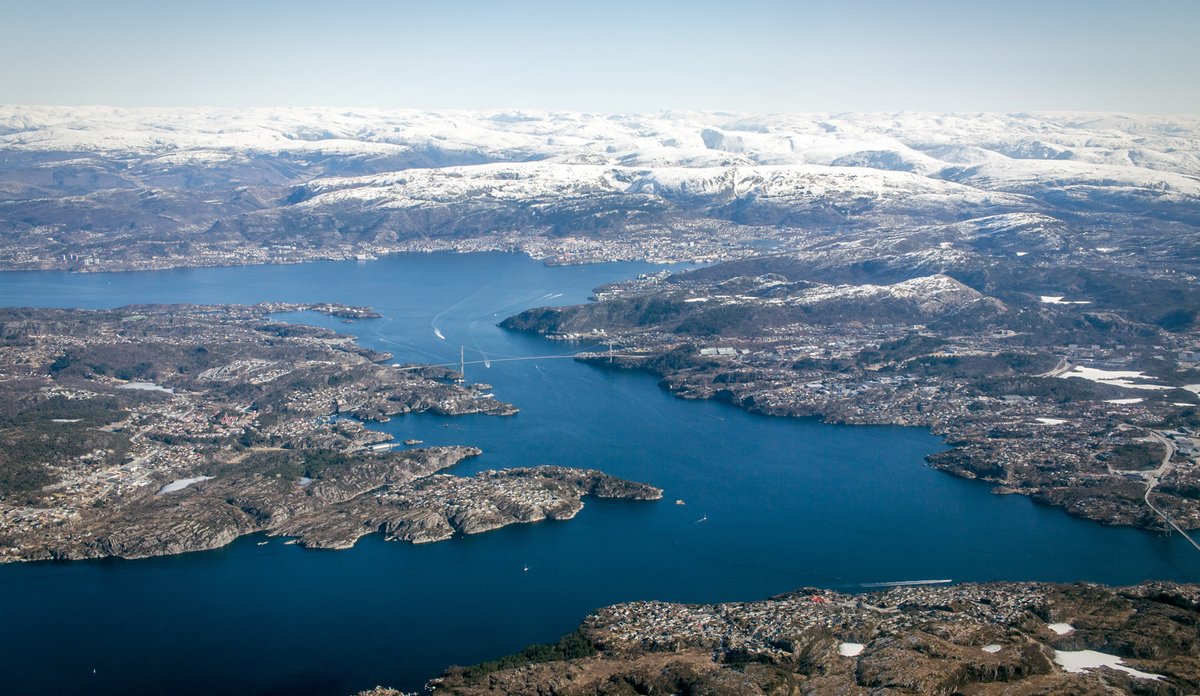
[620, 56]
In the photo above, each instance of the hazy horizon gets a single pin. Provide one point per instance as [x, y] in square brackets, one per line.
[762, 56]
[599, 112]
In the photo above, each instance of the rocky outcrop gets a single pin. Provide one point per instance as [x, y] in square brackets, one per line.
[435, 508]
[398, 494]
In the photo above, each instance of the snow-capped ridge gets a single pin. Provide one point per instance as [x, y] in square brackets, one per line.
[929, 295]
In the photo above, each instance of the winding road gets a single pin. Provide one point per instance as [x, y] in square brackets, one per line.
[1153, 476]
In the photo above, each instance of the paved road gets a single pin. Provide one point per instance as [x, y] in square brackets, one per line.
[1155, 475]
[1064, 366]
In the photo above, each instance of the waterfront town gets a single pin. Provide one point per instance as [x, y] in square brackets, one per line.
[923, 638]
[680, 244]
[151, 430]
[1076, 407]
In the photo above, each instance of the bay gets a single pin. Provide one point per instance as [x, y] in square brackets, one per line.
[771, 505]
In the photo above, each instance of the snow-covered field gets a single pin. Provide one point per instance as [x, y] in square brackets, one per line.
[1116, 378]
[1082, 660]
[146, 386]
[180, 484]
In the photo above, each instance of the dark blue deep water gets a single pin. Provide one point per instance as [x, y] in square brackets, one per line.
[788, 503]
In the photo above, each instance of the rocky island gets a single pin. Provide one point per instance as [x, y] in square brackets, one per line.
[154, 430]
[974, 640]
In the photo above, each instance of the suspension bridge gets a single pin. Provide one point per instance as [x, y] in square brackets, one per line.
[487, 360]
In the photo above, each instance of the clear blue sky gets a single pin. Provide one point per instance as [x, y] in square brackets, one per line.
[607, 55]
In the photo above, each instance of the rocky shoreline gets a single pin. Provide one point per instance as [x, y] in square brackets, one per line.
[401, 496]
[1091, 408]
[1116, 500]
[156, 430]
[975, 639]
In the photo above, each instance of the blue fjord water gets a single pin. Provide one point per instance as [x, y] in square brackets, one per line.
[786, 503]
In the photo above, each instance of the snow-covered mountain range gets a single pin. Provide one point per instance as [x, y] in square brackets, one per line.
[79, 180]
[922, 143]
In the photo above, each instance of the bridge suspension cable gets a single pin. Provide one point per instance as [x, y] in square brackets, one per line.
[463, 362]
